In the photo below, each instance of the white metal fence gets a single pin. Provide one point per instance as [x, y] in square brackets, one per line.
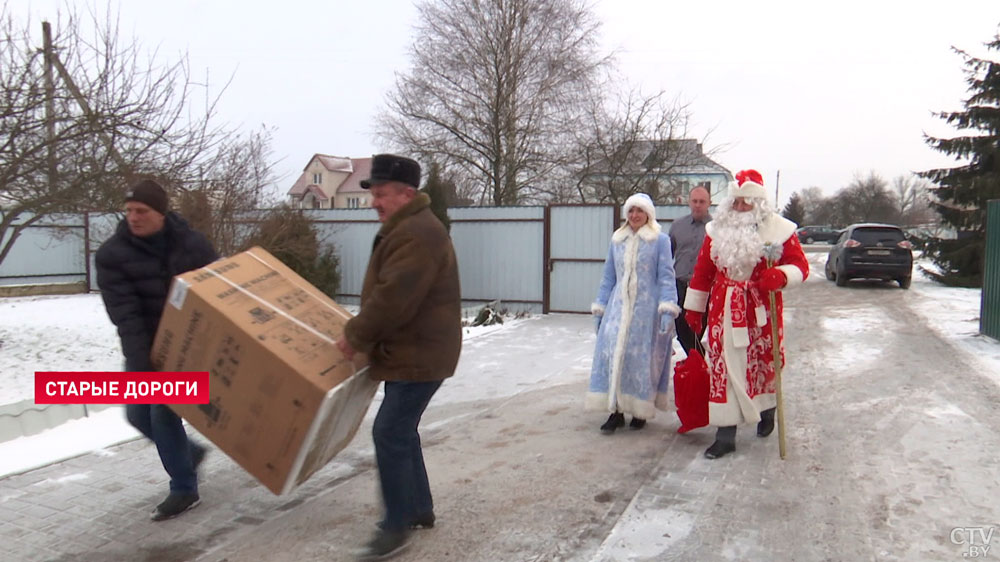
[530, 258]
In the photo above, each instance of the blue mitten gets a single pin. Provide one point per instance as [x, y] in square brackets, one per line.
[597, 323]
[666, 322]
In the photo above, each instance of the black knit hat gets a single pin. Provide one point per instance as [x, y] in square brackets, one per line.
[150, 193]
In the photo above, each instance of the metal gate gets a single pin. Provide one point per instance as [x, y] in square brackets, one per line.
[576, 243]
[989, 308]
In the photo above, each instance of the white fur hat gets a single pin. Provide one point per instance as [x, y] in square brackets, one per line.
[749, 184]
[642, 201]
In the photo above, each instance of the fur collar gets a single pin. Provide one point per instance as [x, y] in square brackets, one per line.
[418, 203]
[649, 232]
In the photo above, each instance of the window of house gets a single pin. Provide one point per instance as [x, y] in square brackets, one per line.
[317, 178]
[353, 202]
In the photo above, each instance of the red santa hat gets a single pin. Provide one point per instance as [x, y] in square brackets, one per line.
[749, 184]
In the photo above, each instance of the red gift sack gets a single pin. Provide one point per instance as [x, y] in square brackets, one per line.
[691, 391]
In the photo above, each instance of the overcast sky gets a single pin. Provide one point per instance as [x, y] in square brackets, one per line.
[819, 91]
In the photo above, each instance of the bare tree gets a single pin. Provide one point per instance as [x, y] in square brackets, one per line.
[495, 89]
[913, 203]
[637, 144]
[83, 116]
[818, 211]
[231, 183]
[866, 199]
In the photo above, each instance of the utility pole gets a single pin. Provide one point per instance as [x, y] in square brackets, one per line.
[777, 183]
[50, 108]
[51, 59]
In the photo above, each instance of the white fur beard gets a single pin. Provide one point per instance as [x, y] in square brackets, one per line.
[736, 243]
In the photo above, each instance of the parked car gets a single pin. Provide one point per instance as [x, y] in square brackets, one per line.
[871, 251]
[813, 234]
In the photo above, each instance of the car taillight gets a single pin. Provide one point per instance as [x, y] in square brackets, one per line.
[852, 244]
[905, 244]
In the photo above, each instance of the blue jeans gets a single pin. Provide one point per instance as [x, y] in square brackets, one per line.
[402, 474]
[166, 430]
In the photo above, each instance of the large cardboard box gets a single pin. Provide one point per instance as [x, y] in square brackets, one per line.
[284, 400]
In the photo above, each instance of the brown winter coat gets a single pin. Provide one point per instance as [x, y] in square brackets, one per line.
[410, 322]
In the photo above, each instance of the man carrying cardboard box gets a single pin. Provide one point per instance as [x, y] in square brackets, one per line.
[410, 326]
[134, 269]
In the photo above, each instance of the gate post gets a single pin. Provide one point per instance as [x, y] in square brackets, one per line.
[989, 308]
[86, 249]
[546, 257]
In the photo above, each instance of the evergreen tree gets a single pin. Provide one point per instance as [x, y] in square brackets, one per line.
[291, 237]
[794, 210]
[441, 192]
[961, 192]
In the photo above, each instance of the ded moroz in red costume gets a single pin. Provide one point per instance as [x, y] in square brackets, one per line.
[726, 279]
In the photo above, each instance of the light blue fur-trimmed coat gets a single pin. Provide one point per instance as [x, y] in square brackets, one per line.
[631, 369]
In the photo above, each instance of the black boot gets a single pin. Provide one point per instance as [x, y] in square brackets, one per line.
[637, 423]
[615, 421]
[766, 424]
[725, 442]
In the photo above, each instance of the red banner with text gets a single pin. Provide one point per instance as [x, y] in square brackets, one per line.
[77, 387]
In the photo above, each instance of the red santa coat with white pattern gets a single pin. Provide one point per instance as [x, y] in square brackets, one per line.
[740, 359]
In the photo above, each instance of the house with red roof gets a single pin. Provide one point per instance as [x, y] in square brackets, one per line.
[332, 182]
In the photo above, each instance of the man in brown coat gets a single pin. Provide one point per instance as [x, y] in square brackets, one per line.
[410, 326]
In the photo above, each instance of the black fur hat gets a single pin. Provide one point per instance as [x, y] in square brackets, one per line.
[389, 167]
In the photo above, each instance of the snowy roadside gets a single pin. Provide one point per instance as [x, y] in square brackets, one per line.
[73, 333]
[952, 312]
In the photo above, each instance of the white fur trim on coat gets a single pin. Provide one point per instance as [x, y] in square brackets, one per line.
[776, 229]
[793, 275]
[597, 309]
[648, 232]
[629, 288]
[696, 300]
[670, 307]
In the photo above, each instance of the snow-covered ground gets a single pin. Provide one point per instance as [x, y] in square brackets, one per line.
[951, 311]
[73, 333]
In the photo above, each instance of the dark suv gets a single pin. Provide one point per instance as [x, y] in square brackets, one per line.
[811, 234]
[871, 251]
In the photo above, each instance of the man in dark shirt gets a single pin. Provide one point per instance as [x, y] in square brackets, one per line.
[686, 236]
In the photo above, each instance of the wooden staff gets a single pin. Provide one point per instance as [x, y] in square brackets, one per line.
[776, 352]
[772, 253]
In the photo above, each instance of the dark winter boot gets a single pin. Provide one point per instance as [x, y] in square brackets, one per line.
[174, 505]
[725, 442]
[637, 423]
[385, 544]
[615, 421]
[425, 521]
[766, 424]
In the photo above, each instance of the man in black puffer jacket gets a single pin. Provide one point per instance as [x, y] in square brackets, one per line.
[134, 270]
